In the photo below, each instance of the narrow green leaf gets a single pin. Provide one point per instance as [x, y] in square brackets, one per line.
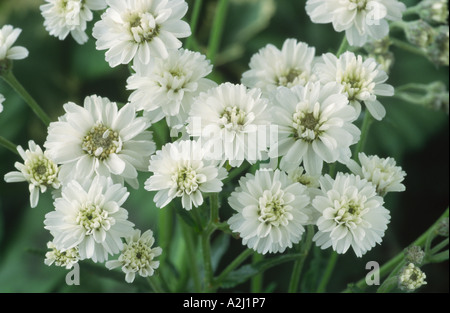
[219, 247]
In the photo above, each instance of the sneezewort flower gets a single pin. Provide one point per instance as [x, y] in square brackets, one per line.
[137, 256]
[351, 214]
[64, 17]
[38, 170]
[411, 278]
[180, 169]
[271, 67]
[362, 80]
[89, 215]
[315, 125]
[270, 211]
[167, 88]
[382, 172]
[65, 258]
[100, 139]
[232, 121]
[140, 28]
[362, 20]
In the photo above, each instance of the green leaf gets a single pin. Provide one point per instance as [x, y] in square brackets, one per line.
[187, 218]
[218, 249]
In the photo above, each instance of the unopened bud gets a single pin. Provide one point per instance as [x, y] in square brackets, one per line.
[442, 227]
[434, 11]
[414, 254]
[411, 278]
[419, 33]
[438, 50]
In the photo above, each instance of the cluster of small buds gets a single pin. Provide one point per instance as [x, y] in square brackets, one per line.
[442, 228]
[414, 254]
[379, 50]
[438, 51]
[66, 258]
[419, 33]
[433, 11]
[411, 278]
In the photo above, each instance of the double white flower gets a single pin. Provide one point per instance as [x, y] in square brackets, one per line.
[8, 35]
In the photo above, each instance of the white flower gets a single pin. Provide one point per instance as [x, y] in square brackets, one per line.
[411, 278]
[2, 98]
[270, 211]
[140, 28]
[89, 215]
[69, 16]
[38, 170]
[8, 35]
[363, 80]
[65, 258]
[362, 20]
[137, 256]
[271, 67]
[351, 214]
[166, 88]
[100, 139]
[382, 172]
[314, 125]
[232, 121]
[181, 170]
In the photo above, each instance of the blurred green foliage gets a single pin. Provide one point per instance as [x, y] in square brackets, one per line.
[60, 71]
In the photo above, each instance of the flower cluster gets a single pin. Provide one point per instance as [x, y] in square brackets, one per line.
[295, 110]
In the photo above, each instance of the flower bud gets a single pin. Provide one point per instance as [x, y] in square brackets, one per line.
[434, 11]
[411, 278]
[419, 33]
[438, 50]
[414, 254]
[442, 228]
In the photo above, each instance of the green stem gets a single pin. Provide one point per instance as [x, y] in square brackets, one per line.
[234, 264]
[190, 250]
[165, 230]
[9, 77]
[364, 132]
[216, 30]
[8, 145]
[343, 47]
[300, 262]
[439, 246]
[236, 172]
[214, 207]
[256, 282]
[393, 263]
[194, 21]
[154, 285]
[407, 47]
[328, 272]
[206, 250]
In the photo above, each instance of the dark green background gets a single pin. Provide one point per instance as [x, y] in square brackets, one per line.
[59, 71]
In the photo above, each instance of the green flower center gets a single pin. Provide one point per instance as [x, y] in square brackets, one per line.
[273, 210]
[101, 141]
[306, 125]
[92, 217]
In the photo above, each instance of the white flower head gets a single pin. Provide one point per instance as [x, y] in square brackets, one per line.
[270, 211]
[271, 67]
[362, 20]
[140, 28]
[38, 170]
[137, 256]
[362, 80]
[382, 172]
[64, 17]
[2, 98]
[8, 36]
[89, 215]
[167, 87]
[65, 258]
[233, 123]
[351, 214]
[100, 139]
[314, 126]
[411, 277]
[180, 169]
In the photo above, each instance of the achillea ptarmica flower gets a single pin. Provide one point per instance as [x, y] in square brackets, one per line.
[233, 121]
[69, 16]
[351, 214]
[89, 215]
[382, 172]
[100, 139]
[271, 67]
[270, 211]
[411, 278]
[314, 125]
[180, 169]
[166, 88]
[8, 35]
[38, 170]
[137, 256]
[65, 258]
[362, 80]
[362, 20]
[140, 28]
[433, 11]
